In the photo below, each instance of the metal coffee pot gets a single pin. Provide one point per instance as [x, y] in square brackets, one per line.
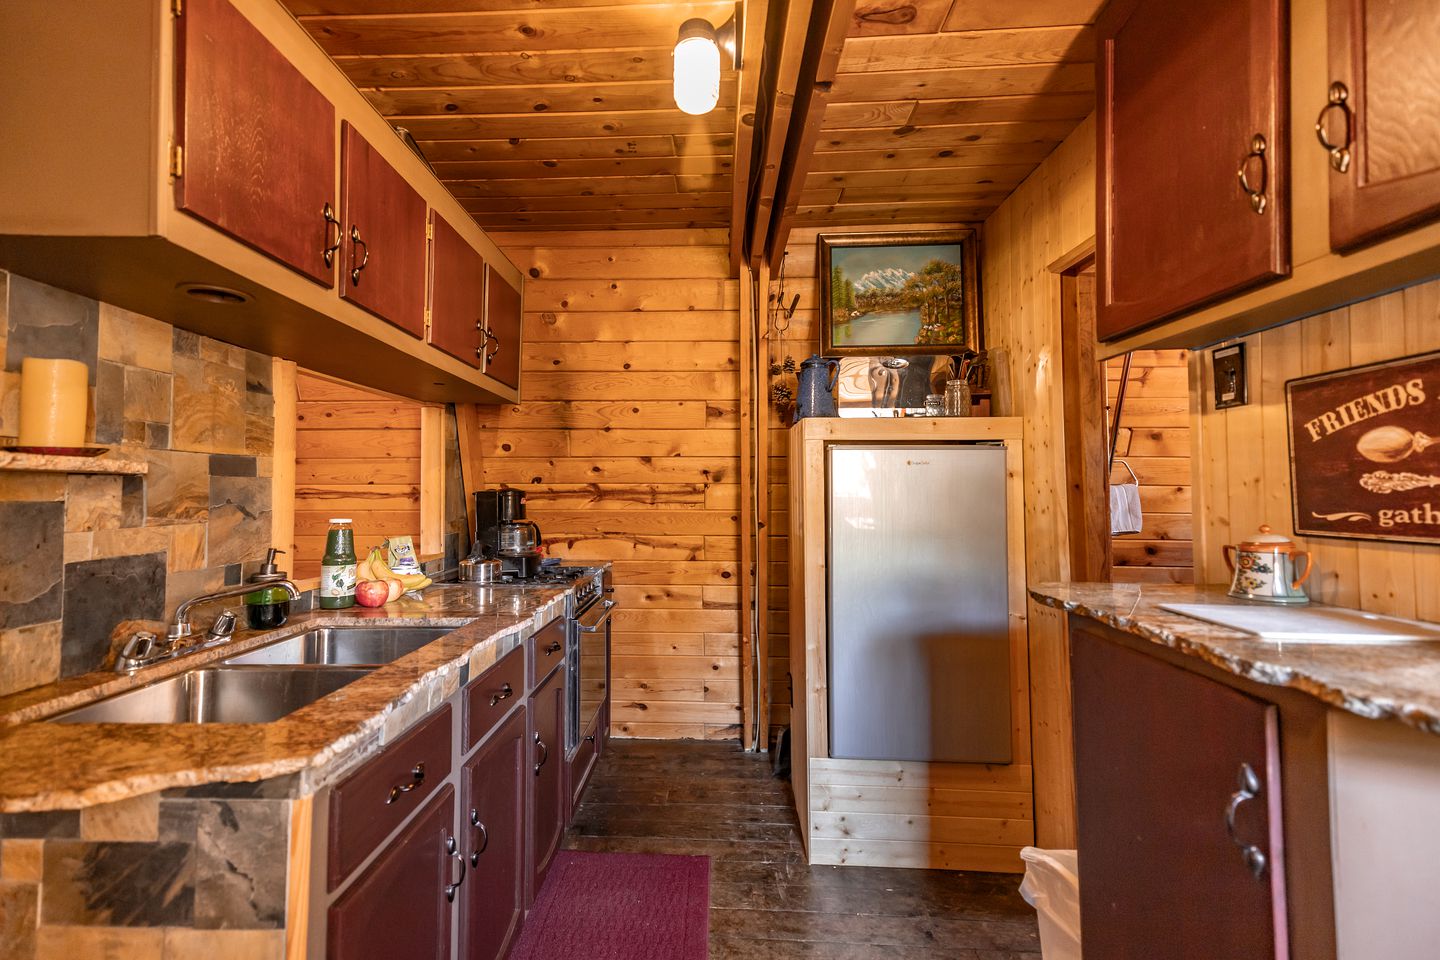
[1265, 568]
[815, 396]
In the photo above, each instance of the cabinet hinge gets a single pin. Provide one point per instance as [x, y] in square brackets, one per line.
[430, 230]
[177, 7]
[427, 319]
[177, 160]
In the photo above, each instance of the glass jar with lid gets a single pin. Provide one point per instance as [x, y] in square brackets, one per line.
[957, 398]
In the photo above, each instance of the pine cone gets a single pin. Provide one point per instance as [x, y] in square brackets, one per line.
[789, 365]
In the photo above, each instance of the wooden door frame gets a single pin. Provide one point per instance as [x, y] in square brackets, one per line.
[1087, 474]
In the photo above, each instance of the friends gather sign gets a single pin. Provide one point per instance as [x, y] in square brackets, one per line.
[1361, 457]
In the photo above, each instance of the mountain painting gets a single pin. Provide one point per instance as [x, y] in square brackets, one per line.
[895, 295]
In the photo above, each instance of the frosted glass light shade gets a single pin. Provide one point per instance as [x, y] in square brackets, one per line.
[697, 74]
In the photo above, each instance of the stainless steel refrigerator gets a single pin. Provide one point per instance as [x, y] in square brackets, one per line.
[918, 644]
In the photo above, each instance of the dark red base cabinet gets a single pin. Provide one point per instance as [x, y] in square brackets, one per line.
[547, 778]
[494, 815]
[398, 908]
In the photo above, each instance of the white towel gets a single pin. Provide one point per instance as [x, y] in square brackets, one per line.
[1125, 516]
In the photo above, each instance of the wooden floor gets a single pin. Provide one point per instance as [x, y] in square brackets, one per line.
[693, 797]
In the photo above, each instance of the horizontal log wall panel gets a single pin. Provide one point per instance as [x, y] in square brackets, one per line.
[357, 455]
[626, 441]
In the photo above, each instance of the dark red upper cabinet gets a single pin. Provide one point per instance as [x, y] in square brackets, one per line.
[1193, 194]
[457, 297]
[383, 264]
[503, 317]
[261, 173]
[1381, 118]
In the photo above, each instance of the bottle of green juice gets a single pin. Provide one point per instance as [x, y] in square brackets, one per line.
[337, 567]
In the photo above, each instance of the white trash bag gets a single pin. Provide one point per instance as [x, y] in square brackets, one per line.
[1052, 887]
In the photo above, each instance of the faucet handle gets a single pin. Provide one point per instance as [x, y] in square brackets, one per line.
[139, 650]
[223, 627]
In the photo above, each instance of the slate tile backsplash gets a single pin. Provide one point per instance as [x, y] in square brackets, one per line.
[85, 553]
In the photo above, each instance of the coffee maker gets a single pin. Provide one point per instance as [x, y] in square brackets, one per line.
[502, 532]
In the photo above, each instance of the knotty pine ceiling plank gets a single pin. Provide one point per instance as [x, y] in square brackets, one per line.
[1055, 106]
[578, 148]
[551, 125]
[960, 155]
[977, 134]
[402, 105]
[988, 14]
[485, 170]
[605, 219]
[1003, 174]
[592, 186]
[646, 201]
[356, 8]
[886, 17]
[509, 67]
[972, 48]
[581, 28]
[970, 82]
[971, 193]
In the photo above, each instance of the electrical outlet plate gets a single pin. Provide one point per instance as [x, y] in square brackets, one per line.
[1230, 376]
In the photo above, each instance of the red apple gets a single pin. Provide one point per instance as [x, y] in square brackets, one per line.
[372, 593]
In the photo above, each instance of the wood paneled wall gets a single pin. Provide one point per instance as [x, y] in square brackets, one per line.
[1154, 439]
[627, 441]
[357, 455]
[1243, 473]
[1041, 225]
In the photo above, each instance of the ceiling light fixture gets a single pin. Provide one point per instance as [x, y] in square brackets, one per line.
[697, 63]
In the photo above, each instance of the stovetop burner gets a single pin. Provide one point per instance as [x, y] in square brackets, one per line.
[555, 574]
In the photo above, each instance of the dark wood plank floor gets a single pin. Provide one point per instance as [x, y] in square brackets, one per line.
[689, 797]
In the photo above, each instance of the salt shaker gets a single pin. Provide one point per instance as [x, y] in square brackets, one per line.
[957, 398]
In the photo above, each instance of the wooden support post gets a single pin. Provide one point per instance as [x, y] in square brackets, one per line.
[467, 425]
[432, 480]
[755, 16]
[282, 473]
[750, 668]
[759, 327]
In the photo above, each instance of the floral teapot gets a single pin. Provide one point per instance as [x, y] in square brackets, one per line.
[1264, 568]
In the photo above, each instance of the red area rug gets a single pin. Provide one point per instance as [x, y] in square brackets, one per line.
[620, 906]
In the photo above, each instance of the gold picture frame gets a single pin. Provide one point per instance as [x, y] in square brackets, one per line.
[899, 293]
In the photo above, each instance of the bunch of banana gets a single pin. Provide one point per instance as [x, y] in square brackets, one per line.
[374, 567]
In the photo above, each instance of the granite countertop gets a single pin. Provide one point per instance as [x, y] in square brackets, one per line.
[1392, 681]
[58, 766]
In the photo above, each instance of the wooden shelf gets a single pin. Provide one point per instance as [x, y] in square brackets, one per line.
[39, 463]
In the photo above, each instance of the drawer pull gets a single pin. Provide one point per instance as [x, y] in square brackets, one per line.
[453, 849]
[1258, 200]
[397, 792]
[1339, 152]
[506, 692]
[590, 739]
[544, 754]
[484, 837]
[553, 648]
[1249, 789]
[329, 250]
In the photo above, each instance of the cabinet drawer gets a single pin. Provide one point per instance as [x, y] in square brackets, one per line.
[490, 697]
[547, 651]
[371, 802]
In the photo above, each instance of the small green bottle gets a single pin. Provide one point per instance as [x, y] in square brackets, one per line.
[337, 567]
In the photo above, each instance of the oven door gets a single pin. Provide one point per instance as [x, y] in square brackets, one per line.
[590, 667]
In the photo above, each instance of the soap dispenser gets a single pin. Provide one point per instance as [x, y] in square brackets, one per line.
[267, 607]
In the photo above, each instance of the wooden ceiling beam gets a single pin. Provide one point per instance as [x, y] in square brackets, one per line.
[755, 18]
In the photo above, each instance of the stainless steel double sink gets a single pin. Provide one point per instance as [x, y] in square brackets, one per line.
[263, 684]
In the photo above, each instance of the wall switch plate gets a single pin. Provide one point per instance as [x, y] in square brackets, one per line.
[1230, 378]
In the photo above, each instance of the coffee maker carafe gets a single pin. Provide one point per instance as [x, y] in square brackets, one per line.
[503, 533]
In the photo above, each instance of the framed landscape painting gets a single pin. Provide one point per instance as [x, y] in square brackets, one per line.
[893, 294]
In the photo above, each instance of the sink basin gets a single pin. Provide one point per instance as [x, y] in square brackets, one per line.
[344, 645]
[219, 695]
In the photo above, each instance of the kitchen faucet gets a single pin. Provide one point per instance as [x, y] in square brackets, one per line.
[144, 648]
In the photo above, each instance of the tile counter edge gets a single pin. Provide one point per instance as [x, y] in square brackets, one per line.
[1399, 682]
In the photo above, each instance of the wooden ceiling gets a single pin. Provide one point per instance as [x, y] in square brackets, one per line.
[543, 114]
[940, 108]
[556, 114]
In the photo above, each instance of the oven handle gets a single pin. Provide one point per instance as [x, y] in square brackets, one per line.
[600, 621]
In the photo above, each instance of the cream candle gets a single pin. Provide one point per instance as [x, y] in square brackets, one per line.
[53, 402]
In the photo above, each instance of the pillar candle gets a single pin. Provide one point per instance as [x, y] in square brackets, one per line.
[53, 402]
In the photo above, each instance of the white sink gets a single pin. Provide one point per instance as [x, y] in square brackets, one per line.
[1313, 623]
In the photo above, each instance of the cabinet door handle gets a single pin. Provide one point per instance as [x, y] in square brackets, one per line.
[490, 355]
[1249, 788]
[1258, 200]
[329, 252]
[554, 647]
[506, 692]
[590, 738]
[544, 754]
[484, 837]
[452, 849]
[355, 241]
[1339, 152]
[418, 773]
